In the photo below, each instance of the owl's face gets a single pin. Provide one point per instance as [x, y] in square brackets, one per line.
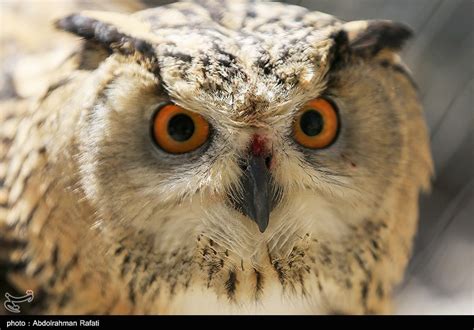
[253, 138]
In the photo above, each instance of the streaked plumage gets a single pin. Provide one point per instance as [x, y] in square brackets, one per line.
[96, 220]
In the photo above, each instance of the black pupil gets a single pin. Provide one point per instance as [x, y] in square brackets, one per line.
[181, 127]
[312, 123]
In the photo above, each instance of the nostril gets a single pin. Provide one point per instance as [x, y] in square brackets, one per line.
[268, 161]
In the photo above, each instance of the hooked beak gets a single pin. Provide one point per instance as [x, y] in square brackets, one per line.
[256, 201]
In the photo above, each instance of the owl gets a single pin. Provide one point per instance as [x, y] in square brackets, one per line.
[215, 157]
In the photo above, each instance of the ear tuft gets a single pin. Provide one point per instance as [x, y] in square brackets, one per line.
[368, 38]
[382, 35]
[107, 31]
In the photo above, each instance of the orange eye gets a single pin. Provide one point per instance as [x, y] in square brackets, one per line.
[178, 131]
[316, 125]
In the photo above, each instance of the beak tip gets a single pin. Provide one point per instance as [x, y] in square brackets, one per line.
[262, 224]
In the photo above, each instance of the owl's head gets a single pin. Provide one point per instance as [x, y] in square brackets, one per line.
[253, 130]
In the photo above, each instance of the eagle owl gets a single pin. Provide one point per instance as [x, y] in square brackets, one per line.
[215, 157]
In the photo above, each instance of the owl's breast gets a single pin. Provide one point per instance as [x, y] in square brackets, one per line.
[273, 300]
[218, 281]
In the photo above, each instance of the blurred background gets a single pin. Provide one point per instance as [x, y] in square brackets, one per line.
[440, 278]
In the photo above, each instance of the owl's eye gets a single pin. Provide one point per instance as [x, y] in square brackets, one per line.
[177, 130]
[317, 124]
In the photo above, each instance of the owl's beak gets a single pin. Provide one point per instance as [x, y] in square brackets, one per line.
[255, 201]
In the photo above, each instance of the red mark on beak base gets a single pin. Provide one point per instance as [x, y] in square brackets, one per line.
[258, 146]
